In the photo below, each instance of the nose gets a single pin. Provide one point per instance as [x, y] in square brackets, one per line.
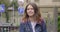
[30, 9]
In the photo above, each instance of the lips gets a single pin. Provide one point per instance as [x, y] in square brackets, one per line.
[30, 12]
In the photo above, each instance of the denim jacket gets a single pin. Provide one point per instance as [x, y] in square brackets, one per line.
[26, 27]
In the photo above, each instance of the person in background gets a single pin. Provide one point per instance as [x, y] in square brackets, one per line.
[32, 20]
[20, 7]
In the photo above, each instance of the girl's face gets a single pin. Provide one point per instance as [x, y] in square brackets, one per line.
[30, 11]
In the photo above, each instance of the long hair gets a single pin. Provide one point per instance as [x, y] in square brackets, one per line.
[37, 15]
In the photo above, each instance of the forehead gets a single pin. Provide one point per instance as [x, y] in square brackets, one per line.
[30, 6]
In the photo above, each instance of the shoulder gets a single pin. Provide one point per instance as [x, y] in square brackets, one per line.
[23, 22]
[43, 20]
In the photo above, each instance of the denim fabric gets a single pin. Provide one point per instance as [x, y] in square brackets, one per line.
[26, 27]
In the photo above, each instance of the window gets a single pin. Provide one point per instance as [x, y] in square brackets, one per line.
[27, 1]
[56, 0]
[36, 0]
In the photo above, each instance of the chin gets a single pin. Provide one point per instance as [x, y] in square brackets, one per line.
[30, 15]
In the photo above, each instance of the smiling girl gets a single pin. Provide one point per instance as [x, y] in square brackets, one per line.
[32, 21]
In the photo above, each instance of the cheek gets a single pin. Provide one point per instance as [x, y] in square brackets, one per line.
[33, 11]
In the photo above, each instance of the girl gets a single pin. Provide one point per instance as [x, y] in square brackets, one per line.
[32, 21]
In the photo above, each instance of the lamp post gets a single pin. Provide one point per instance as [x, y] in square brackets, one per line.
[55, 18]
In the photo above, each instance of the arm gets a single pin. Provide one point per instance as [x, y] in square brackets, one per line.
[44, 26]
[21, 27]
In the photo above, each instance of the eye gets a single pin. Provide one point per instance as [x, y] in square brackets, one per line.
[32, 9]
[28, 9]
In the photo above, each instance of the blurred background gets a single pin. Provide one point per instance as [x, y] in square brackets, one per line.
[12, 11]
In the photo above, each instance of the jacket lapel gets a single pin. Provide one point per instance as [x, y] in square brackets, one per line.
[30, 26]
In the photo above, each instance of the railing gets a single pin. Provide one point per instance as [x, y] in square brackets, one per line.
[8, 28]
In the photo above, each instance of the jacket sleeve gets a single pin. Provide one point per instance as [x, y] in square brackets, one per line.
[44, 26]
[21, 27]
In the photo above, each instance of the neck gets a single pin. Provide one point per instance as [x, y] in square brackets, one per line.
[31, 19]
